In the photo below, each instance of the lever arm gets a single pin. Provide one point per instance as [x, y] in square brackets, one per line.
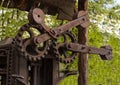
[105, 52]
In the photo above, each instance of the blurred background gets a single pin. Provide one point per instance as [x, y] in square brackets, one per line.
[104, 29]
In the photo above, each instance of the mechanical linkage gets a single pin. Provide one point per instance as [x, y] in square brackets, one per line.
[27, 57]
[65, 51]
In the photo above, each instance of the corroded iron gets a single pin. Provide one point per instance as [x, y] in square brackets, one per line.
[35, 59]
[105, 52]
[13, 67]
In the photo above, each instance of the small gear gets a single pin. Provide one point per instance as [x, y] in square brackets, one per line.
[30, 50]
[62, 54]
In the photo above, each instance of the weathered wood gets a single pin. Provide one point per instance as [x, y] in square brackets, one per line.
[23, 5]
[64, 8]
[82, 39]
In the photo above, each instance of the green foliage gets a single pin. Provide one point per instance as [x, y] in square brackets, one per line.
[115, 12]
[11, 21]
[104, 72]
[102, 31]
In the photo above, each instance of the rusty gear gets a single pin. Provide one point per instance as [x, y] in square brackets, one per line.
[62, 54]
[30, 50]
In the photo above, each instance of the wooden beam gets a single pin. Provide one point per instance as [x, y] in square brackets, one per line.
[64, 8]
[23, 5]
[82, 39]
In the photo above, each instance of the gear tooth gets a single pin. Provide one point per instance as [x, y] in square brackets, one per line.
[13, 42]
[48, 48]
[22, 50]
[66, 61]
[70, 61]
[49, 43]
[42, 56]
[34, 59]
[25, 54]
[30, 58]
[21, 44]
[39, 58]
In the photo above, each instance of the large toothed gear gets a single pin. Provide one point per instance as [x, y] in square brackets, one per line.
[30, 50]
[62, 54]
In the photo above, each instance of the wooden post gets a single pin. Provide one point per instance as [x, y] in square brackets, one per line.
[82, 39]
[49, 71]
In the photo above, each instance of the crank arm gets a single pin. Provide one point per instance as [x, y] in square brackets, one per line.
[82, 20]
[105, 52]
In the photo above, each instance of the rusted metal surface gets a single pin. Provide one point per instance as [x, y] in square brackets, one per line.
[46, 35]
[60, 48]
[105, 52]
[35, 59]
[9, 64]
